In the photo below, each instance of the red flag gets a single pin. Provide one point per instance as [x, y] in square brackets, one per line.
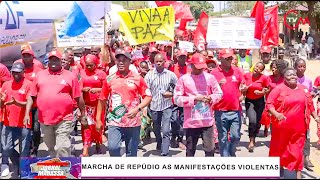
[201, 31]
[271, 29]
[182, 11]
[183, 24]
[258, 14]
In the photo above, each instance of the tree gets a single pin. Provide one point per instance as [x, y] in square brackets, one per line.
[240, 8]
[313, 15]
[197, 7]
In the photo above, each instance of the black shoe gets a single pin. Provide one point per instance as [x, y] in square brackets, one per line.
[162, 154]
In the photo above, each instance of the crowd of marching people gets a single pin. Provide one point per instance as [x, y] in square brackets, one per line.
[118, 97]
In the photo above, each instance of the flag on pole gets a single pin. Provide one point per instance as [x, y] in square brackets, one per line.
[201, 32]
[258, 14]
[271, 28]
[83, 15]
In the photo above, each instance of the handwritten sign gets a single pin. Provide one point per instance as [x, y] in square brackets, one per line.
[94, 36]
[148, 25]
[232, 32]
[186, 45]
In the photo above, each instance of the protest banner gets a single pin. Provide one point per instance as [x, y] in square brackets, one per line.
[232, 32]
[186, 45]
[148, 25]
[163, 42]
[94, 36]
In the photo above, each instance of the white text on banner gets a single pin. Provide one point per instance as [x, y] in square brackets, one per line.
[94, 36]
[232, 32]
[112, 167]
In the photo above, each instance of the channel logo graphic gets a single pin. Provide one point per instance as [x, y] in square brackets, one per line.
[50, 168]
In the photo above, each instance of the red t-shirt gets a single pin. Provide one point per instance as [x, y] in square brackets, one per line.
[317, 82]
[231, 93]
[255, 83]
[180, 71]
[93, 80]
[13, 114]
[4, 74]
[36, 63]
[55, 92]
[126, 90]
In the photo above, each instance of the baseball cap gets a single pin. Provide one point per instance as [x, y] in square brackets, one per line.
[225, 53]
[25, 47]
[27, 51]
[199, 61]
[123, 52]
[153, 49]
[55, 54]
[265, 49]
[182, 52]
[17, 67]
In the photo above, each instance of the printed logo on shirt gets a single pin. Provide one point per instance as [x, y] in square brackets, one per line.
[201, 111]
[130, 83]
[63, 82]
[33, 75]
[234, 79]
[306, 90]
[95, 77]
[22, 91]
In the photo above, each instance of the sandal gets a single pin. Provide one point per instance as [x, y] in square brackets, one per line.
[251, 148]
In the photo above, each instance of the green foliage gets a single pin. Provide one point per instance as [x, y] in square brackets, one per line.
[197, 7]
[239, 8]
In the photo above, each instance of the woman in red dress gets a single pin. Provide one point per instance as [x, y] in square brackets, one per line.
[277, 67]
[92, 79]
[291, 106]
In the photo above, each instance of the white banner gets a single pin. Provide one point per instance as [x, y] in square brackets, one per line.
[232, 32]
[186, 45]
[193, 167]
[163, 42]
[94, 36]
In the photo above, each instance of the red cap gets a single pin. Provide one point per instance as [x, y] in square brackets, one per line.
[55, 54]
[225, 53]
[199, 61]
[27, 51]
[123, 52]
[182, 52]
[265, 49]
[92, 57]
[153, 49]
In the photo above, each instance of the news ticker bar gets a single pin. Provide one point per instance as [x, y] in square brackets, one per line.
[151, 167]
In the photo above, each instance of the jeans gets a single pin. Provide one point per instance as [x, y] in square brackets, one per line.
[193, 135]
[254, 109]
[228, 121]
[1, 125]
[36, 133]
[131, 136]
[177, 123]
[161, 123]
[9, 136]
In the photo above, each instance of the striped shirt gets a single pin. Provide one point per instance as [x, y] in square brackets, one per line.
[158, 83]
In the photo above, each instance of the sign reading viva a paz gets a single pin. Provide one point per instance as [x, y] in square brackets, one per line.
[148, 25]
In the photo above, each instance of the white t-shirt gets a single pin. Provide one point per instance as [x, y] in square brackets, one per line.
[114, 69]
[310, 42]
[303, 51]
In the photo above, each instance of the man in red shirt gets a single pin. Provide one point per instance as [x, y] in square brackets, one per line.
[4, 76]
[55, 90]
[227, 114]
[28, 56]
[124, 90]
[30, 72]
[180, 69]
[73, 64]
[14, 95]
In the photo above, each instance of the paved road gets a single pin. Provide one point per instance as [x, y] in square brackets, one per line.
[260, 151]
